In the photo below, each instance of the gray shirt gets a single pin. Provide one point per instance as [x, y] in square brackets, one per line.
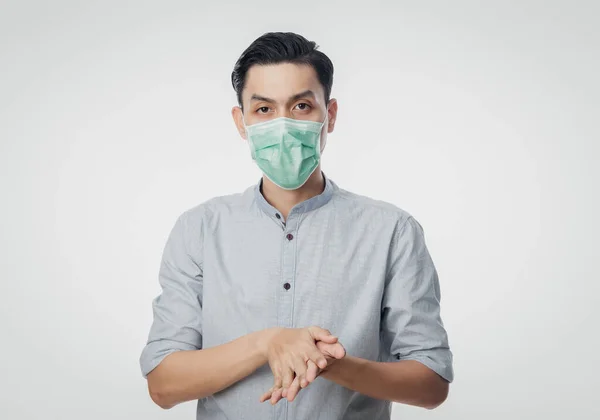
[348, 263]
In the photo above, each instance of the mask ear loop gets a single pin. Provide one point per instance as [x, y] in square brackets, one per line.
[321, 148]
[244, 123]
[248, 138]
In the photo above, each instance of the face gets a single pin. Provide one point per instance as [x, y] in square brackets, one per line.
[284, 90]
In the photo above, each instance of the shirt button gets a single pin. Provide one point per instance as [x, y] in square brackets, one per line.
[278, 215]
[289, 236]
[287, 286]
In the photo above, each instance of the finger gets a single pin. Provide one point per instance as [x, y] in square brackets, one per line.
[267, 395]
[300, 366]
[277, 377]
[311, 374]
[318, 358]
[293, 390]
[340, 351]
[336, 351]
[288, 377]
[321, 334]
[276, 396]
[278, 382]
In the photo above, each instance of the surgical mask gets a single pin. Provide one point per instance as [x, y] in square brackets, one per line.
[286, 150]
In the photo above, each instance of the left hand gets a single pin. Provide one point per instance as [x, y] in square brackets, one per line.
[332, 352]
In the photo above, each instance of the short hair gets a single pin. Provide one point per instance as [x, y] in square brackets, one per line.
[282, 47]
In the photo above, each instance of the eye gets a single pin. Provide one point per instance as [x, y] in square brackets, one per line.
[263, 110]
[303, 106]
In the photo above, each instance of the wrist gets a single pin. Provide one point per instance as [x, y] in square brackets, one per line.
[263, 339]
[333, 366]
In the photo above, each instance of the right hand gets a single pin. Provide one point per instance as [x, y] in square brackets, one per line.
[289, 350]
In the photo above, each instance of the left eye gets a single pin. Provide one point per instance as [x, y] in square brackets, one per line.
[303, 106]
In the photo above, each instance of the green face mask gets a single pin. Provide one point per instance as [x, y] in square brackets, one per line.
[286, 150]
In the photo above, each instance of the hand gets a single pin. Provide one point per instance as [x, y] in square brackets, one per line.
[289, 351]
[332, 352]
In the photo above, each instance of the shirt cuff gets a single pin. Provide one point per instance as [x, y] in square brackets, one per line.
[156, 351]
[439, 360]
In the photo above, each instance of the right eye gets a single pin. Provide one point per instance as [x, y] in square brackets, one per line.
[263, 110]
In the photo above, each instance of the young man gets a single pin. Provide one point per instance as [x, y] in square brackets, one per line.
[297, 292]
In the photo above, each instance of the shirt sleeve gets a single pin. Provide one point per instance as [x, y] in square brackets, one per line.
[412, 328]
[177, 311]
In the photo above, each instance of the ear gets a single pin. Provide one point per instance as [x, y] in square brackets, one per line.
[332, 109]
[238, 119]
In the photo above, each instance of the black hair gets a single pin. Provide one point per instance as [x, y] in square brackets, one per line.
[282, 47]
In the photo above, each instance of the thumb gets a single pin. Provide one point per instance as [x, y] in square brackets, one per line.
[339, 352]
[335, 350]
[321, 334]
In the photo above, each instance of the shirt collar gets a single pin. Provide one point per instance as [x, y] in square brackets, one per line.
[303, 207]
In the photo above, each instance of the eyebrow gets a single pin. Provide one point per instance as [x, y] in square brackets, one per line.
[293, 98]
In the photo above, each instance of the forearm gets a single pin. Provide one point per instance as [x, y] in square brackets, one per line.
[188, 375]
[407, 382]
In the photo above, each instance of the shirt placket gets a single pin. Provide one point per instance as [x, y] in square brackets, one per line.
[285, 301]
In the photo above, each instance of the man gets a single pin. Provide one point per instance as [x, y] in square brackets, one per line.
[297, 292]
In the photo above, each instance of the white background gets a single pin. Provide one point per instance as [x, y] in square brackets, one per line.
[479, 118]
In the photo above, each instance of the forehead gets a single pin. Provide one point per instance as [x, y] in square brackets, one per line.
[280, 81]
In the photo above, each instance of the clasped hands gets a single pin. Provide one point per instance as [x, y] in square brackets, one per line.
[297, 356]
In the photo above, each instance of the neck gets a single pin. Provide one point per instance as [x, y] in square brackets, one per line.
[284, 200]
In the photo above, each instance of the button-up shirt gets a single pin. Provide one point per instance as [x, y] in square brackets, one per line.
[341, 261]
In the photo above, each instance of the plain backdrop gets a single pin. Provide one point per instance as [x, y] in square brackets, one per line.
[480, 118]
